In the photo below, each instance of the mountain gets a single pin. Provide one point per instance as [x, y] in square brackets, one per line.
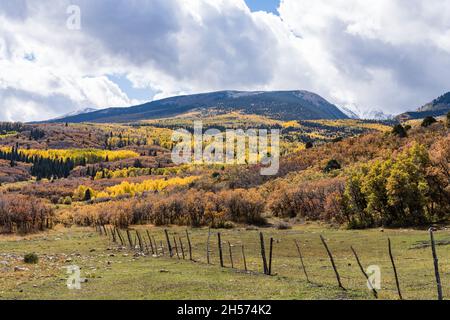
[75, 113]
[283, 105]
[438, 107]
[354, 112]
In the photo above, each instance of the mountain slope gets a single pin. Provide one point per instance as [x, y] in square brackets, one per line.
[283, 105]
[438, 107]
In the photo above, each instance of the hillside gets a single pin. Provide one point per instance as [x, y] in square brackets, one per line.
[282, 105]
[438, 107]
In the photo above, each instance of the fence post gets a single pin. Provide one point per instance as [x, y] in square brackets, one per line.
[151, 242]
[375, 293]
[141, 246]
[220, 249]
[243, 257]
[208, 261]
[155, 244]
[436, 266]
[176, 246]
[122, 241]
[301, 260]
[270, 256]
[263, 252]
[129, 238]
[182, 248]
[104, 229]
[231, 255]
[189, 244]
[112, 231]
[397, 282]
[332, 263]
[169, 246]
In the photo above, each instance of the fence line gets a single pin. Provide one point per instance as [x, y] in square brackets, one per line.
[114, 234]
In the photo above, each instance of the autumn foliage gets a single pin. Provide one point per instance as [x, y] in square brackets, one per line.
[24, 214]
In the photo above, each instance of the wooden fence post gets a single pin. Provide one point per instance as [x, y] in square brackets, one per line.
[182, 248]
[162, 248]
[151, 242]
[155, 244]
[270, 256]
[169, 246]
[436, 266]
[397, 282]
[301, 260]
[122, 242]
[208, 261]
[176, 246]
[104, 229]
[189, 244]
[332, 263]
[113, 234]
[129, 238]
[375, 293]
[219, 240]
[141, 246]
[243, 257]
[263, 252]
[231, 255]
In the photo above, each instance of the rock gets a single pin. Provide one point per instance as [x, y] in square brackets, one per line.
[68, 260]
[4, 263]
[92, 250]
[164, 271]
[112, 255]
[20, 269]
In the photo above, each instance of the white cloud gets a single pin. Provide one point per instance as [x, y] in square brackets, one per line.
[386, 54]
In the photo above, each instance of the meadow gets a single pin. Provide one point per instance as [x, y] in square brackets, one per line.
[116, 272]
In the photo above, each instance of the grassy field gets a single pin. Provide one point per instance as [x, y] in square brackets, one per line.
[118, 273]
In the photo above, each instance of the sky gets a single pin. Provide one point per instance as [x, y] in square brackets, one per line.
[58, 56]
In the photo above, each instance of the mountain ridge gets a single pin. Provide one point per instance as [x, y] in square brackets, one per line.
[436, 108]
[283, 105]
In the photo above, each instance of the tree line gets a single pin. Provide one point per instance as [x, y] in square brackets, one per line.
[41, 167]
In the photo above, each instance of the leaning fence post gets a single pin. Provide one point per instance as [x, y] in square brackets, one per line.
[189, 245]
[243, 258]
[104, 229]
[301, 260]
[182, 248]
[129, 238]
[270, 256]
[231, 255]
[176, 246]
[263, 252]
[122, 241]
[436, 266]
[397, 282]
[332, 263]
[151, 242]
[113, 234]
[375, 293]
[169, 246]
[141, 246]
[219, 240]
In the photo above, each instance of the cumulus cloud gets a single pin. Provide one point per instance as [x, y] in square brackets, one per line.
[387, 54]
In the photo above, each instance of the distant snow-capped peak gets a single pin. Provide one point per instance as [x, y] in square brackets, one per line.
[76, 113]
[355, 112]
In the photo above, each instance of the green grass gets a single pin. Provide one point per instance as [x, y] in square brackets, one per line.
[114, 273]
